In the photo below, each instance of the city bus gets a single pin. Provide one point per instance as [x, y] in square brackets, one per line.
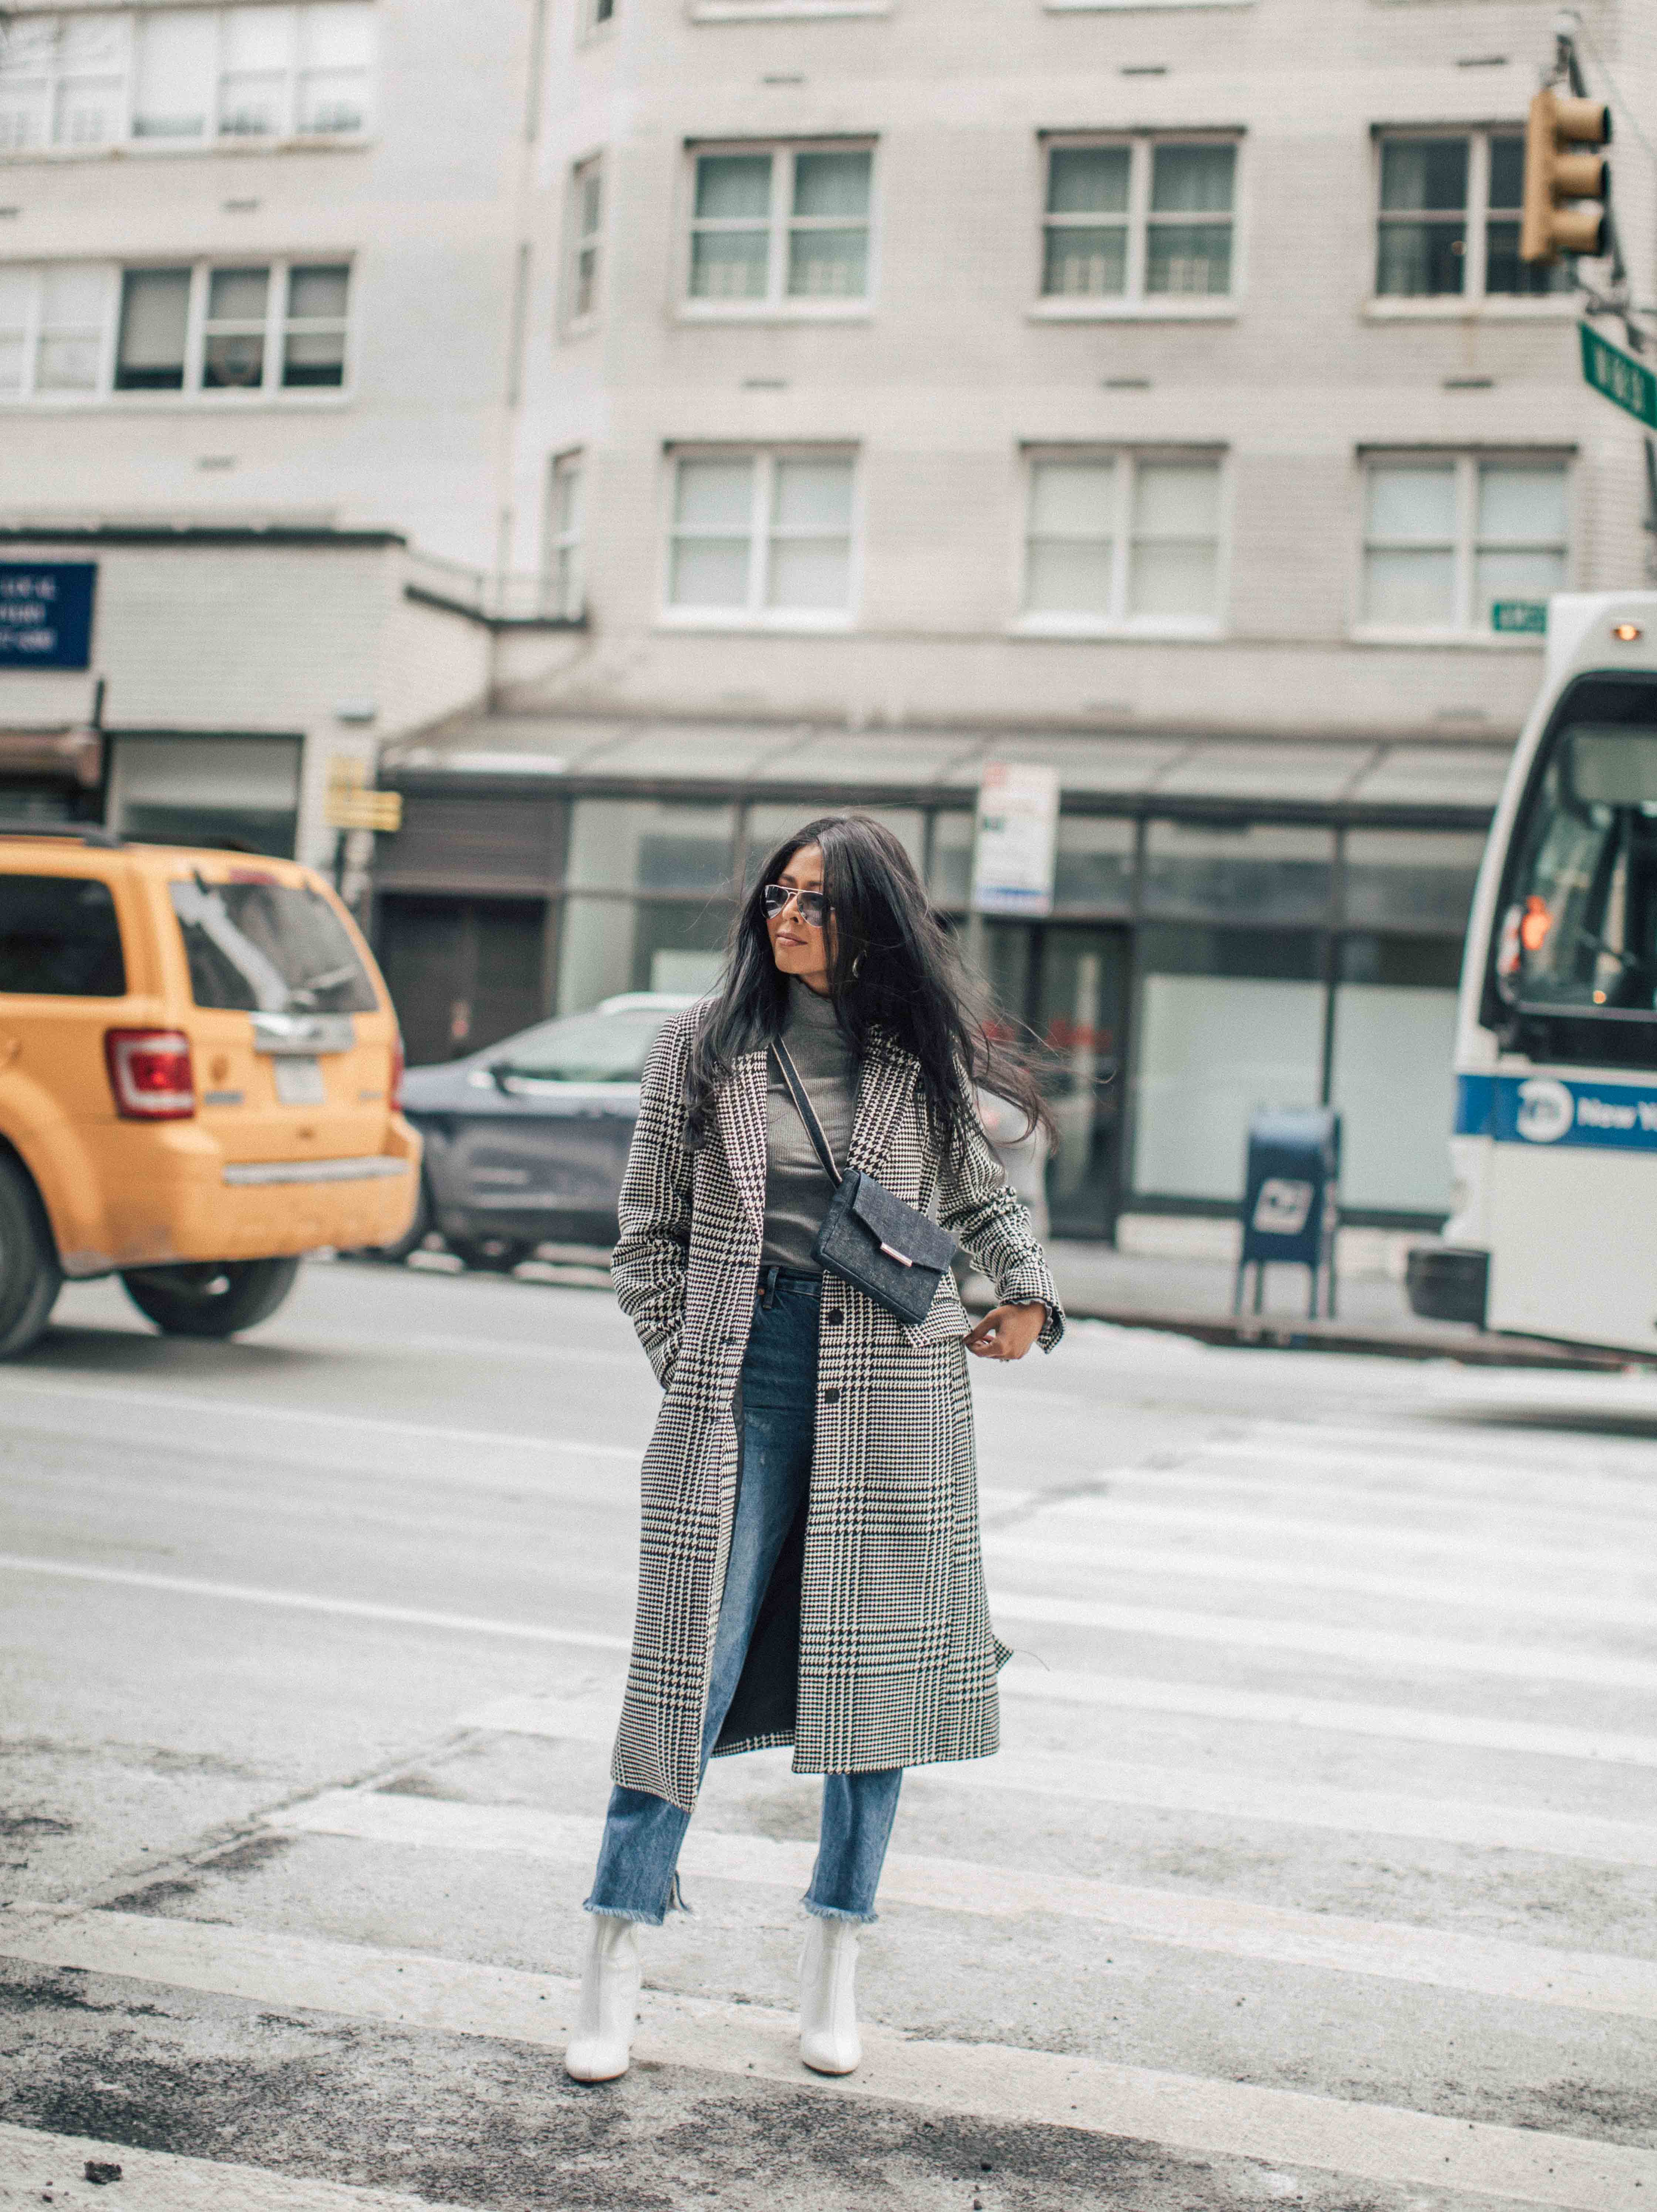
[1553, 1232]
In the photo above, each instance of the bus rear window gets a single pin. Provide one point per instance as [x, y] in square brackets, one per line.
[268, 948]
[1576, 933]
[59, 938]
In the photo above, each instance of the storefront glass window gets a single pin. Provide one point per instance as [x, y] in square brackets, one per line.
[1095, 862]
[951, 877]
[1391, 1080]
[650, 845]
[1228, 1021]
[1411, 879]
[1264, 871]
[611, 945]
[767, 826]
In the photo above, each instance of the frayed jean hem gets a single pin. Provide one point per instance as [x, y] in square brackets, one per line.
[622, 1912]
[837, 1912]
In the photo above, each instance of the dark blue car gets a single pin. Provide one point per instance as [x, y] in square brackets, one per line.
[527, 1140]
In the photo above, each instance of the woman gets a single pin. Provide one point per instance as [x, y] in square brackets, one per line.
[810, 1571]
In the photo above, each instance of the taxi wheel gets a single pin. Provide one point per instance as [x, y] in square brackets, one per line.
[210, 1298]
[30, 1278]
[496, 1255]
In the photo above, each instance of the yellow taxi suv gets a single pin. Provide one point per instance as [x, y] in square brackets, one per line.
[200, 1073]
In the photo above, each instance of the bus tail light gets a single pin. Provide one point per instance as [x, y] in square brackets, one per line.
[149, 1075]
[1627, 633]
[399, 1061]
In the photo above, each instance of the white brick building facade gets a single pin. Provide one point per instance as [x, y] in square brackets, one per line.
[871, 388]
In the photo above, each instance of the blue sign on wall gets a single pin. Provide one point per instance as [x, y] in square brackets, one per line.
[45, 613]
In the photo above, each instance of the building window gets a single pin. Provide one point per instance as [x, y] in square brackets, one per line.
[89, 330]
[782, 227]
[1139, 219]
[1116, 540]
[587, 229]
[1448, 222]
[52, 323]
[1446, 537]
[568, 584]
[80, 83]
[761, 537]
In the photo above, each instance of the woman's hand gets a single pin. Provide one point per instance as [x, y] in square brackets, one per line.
[1008, 1331]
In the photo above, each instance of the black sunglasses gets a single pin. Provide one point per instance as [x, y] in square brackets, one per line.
[813, 906]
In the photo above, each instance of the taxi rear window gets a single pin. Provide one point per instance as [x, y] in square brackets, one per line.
[268, 948]
[59, 938]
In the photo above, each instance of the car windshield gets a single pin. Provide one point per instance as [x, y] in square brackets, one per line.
[1578, 927]
[585, 1047]
[268, 948]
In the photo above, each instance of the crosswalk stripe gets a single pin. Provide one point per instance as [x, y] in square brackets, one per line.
[1229, 1796]
[1095, 1556]
[345, 1608]
[1365, 1647]
[1238, 1929]
[249, 1417]
[1401, 1723]
[1470, 1472]
[36, 2167]
[1182, 2112]
[1099, 1517]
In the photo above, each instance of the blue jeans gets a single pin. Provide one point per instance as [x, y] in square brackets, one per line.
[639, 1857]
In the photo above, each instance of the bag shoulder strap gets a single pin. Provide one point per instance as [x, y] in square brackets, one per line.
[804, 1108]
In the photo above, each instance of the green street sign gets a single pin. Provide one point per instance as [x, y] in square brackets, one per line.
[1626, 383]
[1519, 617]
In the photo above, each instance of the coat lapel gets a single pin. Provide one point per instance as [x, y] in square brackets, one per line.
[741, 1116]
[889, 1075]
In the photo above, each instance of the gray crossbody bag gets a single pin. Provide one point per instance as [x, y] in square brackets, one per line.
[869, 1238]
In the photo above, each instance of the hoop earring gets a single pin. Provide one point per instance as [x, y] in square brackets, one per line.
[856, 968]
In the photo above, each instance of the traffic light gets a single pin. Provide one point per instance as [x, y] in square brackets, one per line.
[1565, 191]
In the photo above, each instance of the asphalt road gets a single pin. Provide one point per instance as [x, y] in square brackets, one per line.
[1320, 1866]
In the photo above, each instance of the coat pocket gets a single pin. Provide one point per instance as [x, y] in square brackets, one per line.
[947, 1320]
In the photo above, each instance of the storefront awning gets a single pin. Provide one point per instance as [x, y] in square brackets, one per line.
[1144, 773]
[72, 756]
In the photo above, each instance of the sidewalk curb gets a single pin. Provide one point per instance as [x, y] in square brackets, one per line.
[1260, 1333]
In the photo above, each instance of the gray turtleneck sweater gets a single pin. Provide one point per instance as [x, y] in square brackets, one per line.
[797, 1191]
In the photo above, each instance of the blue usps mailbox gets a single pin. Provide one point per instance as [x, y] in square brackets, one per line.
[1291, 1199]
[45, 613]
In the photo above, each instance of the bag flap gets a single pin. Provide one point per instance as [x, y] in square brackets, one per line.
[890, 1221]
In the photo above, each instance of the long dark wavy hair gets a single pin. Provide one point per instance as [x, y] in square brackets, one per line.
[894, 973]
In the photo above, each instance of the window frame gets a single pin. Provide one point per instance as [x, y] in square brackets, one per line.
[1472, 299]
[1134, 303]
[778, 304]
[755, 615]
[760, 11]
[1467, 460]
[566, 550]
[215, 139]
[272, 391]
[1120, 622]
[577, 320]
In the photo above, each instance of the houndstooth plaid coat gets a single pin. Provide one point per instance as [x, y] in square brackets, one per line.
[875, 1648]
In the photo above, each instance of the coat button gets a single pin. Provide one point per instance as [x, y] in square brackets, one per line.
[833, 1318]
[831, 1397]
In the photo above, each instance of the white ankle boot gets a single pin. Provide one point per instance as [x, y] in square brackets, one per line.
[601, 2048]
[829, 2038]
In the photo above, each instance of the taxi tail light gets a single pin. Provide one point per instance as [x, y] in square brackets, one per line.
[399, 1061]
[149, 1075]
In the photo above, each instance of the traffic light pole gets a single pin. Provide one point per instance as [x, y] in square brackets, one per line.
[1616, 300]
